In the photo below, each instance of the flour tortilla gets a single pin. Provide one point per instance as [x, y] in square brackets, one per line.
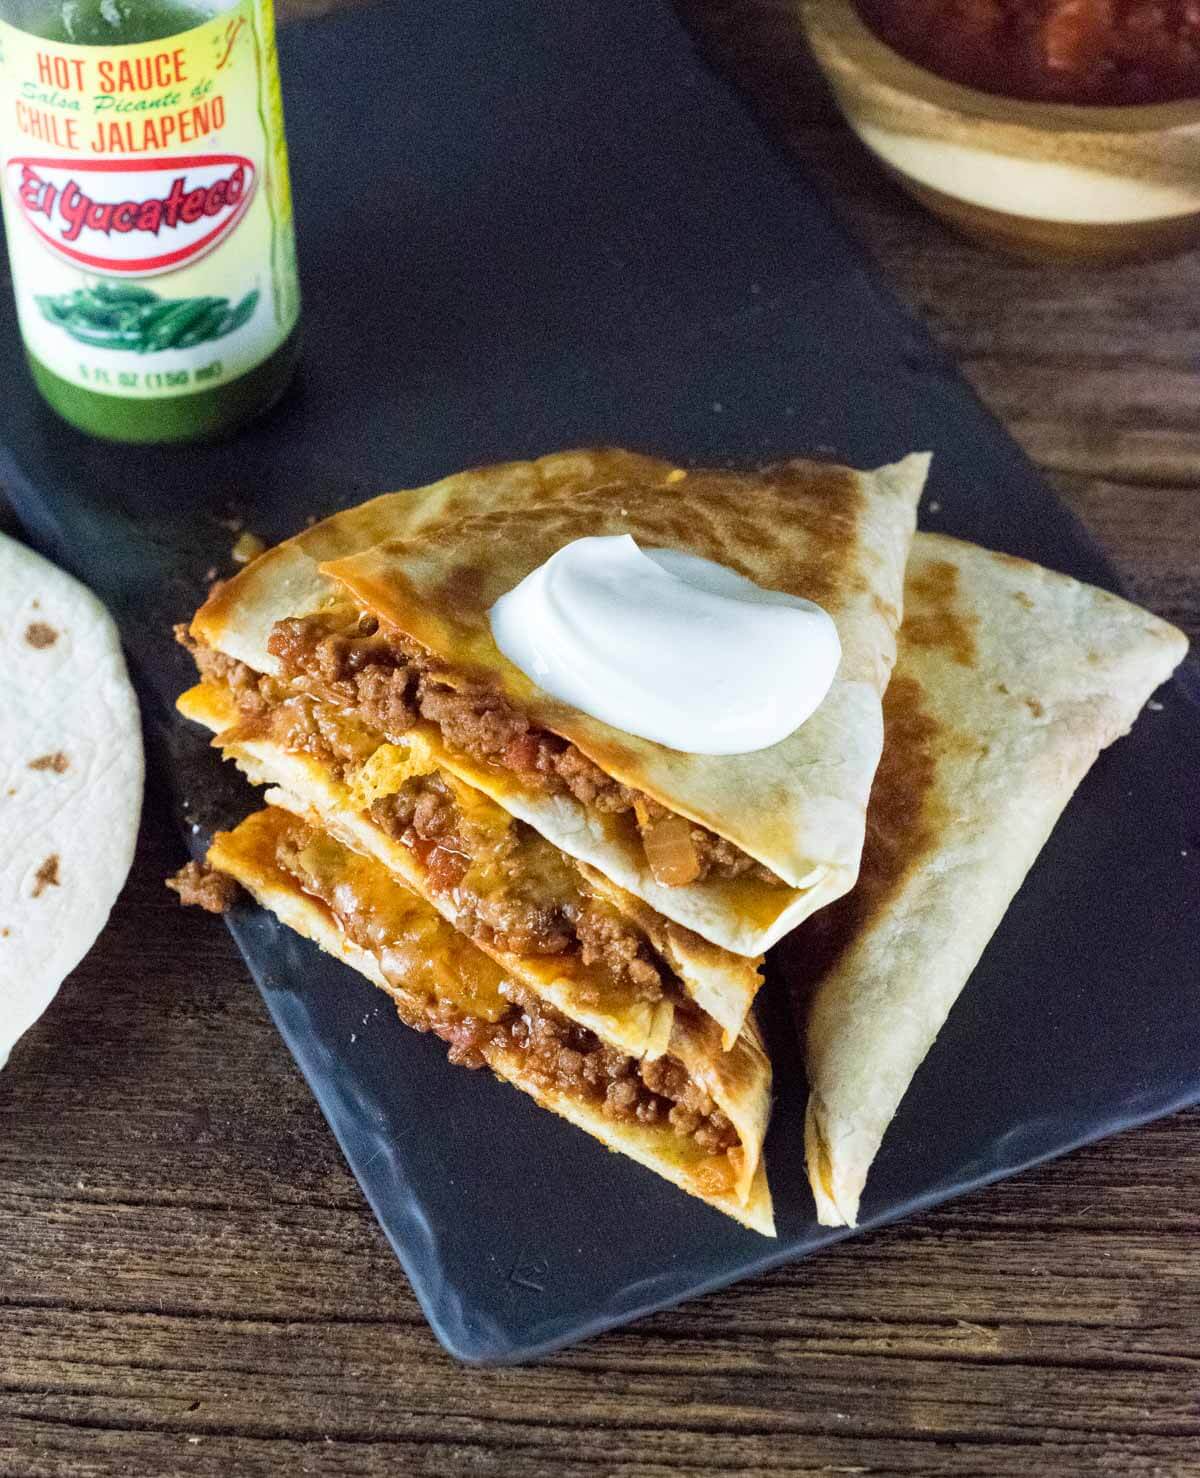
[830, 534]
[1009, 682]
[738, 1080]
[70, 780]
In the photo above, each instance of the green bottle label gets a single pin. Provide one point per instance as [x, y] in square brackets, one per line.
[147, 205]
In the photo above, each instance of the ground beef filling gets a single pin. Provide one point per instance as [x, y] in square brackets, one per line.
[555, 1052]
[390, 685]
[506, 902]
[250, 689]
[558, 1053]
[522, 895]
[514, 891]
[199, 886]
[296, 720]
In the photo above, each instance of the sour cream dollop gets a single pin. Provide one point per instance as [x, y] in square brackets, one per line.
[668, 646]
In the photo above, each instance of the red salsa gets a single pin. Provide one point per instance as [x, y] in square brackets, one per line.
[1064, 51]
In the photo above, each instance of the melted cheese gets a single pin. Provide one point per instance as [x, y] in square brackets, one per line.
[412, 943]
[389, 767]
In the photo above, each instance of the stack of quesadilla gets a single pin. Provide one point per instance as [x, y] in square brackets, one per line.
[585, 911]
[582, 910]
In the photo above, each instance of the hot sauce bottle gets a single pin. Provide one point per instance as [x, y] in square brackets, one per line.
[148, 212]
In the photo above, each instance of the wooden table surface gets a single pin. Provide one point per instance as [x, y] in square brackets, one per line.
[191, 1282]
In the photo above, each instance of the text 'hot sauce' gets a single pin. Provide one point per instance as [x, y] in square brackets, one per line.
[145, 185]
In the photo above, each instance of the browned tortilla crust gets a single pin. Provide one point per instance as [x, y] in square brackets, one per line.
[1010, 680]
[428, 563]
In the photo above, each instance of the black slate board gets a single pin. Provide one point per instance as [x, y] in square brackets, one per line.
[531, 226]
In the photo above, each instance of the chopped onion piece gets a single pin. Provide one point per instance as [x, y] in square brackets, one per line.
[671, 852]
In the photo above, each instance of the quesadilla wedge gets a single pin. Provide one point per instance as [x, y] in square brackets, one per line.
[598, 954]
[695, 1115]
[377, 620]
[1009, 682]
